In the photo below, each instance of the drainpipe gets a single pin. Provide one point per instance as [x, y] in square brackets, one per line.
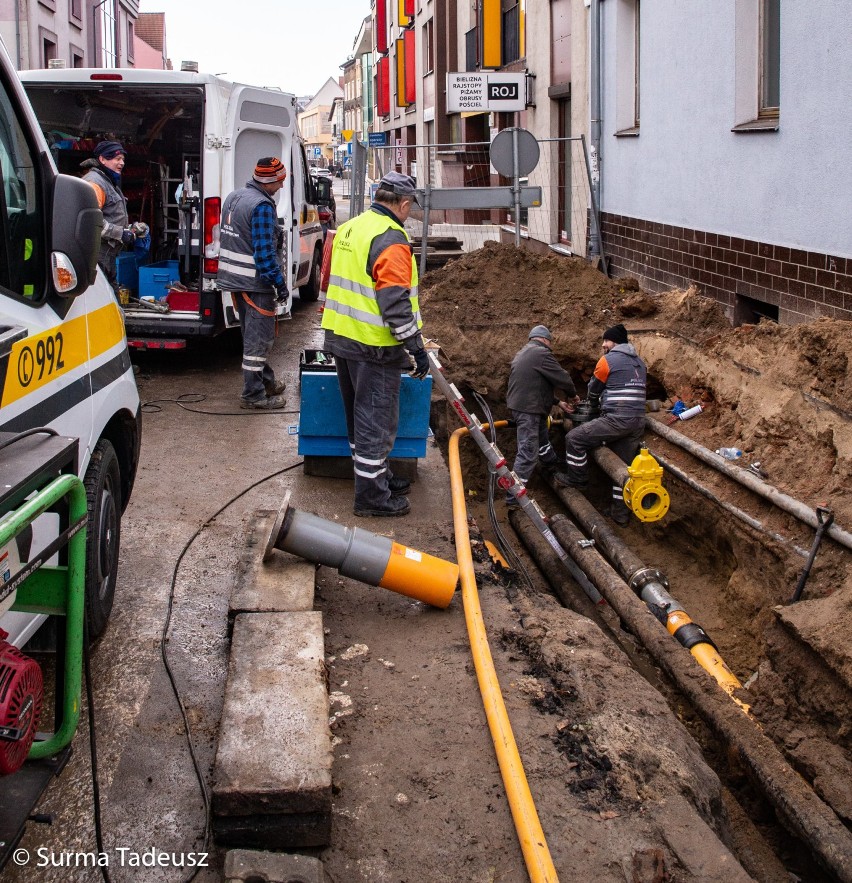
[18, 34]
[595, 111]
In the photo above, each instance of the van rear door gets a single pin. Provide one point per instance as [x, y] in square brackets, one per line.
[262, 122]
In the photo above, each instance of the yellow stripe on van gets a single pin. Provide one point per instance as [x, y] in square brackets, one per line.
[39, 359]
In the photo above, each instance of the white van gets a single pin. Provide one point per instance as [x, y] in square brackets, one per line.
[64, 362]
[191, 139]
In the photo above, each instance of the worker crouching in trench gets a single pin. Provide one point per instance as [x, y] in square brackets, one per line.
[618, 385]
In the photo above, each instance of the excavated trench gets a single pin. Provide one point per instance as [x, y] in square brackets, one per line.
[777, 394]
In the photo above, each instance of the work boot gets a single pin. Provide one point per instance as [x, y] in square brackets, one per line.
[399, 487]
[394, 507]
[270, 403]
[275, 388]
[566, 479]
[620, 515]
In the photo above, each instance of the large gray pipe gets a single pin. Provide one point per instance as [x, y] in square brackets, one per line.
[752, 482]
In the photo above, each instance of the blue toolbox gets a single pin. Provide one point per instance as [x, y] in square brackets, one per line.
[322, 421]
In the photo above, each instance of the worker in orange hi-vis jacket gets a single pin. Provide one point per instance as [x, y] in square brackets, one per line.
[104, 174]
[618, 385]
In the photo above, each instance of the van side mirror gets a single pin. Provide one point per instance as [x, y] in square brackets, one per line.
[322, 191]
[76, 229]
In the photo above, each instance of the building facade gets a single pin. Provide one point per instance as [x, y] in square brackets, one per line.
[722, 159]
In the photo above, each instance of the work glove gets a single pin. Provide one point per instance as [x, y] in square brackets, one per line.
[281, 293]
[421, 364]
[128, 237]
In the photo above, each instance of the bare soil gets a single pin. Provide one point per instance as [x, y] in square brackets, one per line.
[780, 393]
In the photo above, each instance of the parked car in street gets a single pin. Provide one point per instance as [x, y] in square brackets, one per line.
[321, 172]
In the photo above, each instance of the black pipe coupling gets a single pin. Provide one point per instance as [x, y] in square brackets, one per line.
[691, 633]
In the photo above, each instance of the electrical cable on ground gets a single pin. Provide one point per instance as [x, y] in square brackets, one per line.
[194, 398]
[205, 795]
[503, 544]
[93, 748]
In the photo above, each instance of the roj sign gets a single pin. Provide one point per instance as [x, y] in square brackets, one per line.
[478, 91]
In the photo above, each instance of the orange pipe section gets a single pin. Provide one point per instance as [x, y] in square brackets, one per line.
[420, 576]
[530, 834]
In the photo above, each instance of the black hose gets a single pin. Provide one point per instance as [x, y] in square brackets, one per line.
[205, 795]
[194, 398]
[503, 544]
[26, 434]
[93, 747]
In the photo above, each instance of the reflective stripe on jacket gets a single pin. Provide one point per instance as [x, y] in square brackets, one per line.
[621, 376]
[237, 269]
[352, 307]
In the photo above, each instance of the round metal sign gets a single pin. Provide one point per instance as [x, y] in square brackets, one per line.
[502, 148]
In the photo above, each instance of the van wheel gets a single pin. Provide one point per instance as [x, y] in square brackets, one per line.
[103, 535]
[311, 289]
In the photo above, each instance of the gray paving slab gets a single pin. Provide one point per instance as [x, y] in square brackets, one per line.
[242, 866]
[273, 761]
[284, 583]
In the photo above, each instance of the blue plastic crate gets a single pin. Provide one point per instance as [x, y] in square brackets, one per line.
[154, 279]
[322, 422]
[127, 271]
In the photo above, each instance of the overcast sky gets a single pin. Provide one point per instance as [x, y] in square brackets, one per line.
[295, 45]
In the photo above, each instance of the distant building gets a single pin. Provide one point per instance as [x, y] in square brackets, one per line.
[149, 42]
[315, 125]
[70, 33]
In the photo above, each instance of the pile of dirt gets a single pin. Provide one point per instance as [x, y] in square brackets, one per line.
[780, 393]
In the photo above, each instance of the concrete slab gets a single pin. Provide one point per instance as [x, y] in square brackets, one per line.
[272, 776]
[282, 584]
[242, 865]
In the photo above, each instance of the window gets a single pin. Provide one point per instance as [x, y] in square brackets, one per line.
[627, 40]
[130, 39]
[511, 35]
[770, 57]
[560, 50]
[109, 49]
[471, 50]
[75, 8]
[757, 60]
[428, 46]
[22, 223]
[48, 48]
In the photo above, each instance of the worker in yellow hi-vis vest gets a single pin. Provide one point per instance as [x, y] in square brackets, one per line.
[372, 327]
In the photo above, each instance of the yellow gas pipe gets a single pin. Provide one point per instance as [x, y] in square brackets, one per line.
[533, 844]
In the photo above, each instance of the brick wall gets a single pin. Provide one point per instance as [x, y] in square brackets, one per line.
[748, 278]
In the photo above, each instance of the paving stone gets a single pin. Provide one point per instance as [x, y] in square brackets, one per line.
[243, 865]
[272, 776]
[284, 583]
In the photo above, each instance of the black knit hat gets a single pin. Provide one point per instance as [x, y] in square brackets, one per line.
[109, 149]
[617, 334]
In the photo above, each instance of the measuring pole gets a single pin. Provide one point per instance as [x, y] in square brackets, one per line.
[506, 478]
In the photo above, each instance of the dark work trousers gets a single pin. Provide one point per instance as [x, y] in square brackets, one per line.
[622, 435]
[370, 395]
[258, 337]
[533, 444]
[109, 251]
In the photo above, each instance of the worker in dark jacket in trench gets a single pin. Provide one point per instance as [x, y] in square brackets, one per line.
[618, 384]
[534, 376]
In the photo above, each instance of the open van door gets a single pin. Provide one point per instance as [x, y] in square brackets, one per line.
[262, 122]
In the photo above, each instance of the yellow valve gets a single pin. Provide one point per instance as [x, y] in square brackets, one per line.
[644, 493]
